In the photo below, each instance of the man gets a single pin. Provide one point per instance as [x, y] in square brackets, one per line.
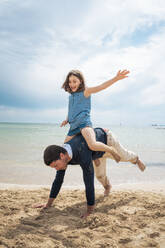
[76, 151]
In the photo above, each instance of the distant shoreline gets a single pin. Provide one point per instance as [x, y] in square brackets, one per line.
[94, 124]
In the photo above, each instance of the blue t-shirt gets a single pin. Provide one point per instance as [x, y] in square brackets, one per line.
[79, 110]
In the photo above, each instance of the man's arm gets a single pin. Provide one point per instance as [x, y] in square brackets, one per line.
[56, 186]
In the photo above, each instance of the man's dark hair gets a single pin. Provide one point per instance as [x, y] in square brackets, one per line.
[52, 153]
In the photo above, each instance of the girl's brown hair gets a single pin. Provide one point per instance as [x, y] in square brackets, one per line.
[79, 75]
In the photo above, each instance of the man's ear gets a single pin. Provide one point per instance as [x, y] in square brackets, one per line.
[62, 155]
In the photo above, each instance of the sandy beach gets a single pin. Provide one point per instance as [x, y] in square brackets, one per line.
[127, 218]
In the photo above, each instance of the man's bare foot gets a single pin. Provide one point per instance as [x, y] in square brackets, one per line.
[89, 211]
[85, 215]
[107, 190]
[140, 165]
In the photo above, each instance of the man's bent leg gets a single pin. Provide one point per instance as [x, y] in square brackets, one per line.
[125, 154]
[100, 172]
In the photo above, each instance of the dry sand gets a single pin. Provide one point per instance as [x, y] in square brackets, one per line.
[124, 219]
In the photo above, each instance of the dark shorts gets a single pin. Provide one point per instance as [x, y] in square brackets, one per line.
[77, 130]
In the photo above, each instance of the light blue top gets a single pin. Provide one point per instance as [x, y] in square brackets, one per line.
[79, 110]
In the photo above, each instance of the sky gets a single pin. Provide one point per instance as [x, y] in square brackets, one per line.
[41, 41]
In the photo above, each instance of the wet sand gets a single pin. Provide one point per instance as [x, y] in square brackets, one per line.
[127, 218]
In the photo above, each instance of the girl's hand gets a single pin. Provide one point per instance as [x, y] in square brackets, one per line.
[64, 123]
[122, 74]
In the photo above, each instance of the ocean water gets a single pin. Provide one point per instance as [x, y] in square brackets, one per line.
[22, 146]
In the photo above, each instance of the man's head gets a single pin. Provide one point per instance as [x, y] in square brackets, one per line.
[56, 157]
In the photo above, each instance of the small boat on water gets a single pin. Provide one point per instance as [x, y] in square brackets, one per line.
[158, 126]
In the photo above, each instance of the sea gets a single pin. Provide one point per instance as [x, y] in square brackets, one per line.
[22, 146]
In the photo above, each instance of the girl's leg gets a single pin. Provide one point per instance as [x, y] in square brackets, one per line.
[68, 138]
[90, 137]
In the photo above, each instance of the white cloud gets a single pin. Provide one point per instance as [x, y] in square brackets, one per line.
[145, 62]
[154, 95]
[35, 61]
[117, 19]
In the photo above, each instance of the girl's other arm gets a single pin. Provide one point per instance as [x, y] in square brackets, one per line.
[64, 122]
[120, 75]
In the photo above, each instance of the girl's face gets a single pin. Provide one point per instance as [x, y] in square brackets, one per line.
[74, 83]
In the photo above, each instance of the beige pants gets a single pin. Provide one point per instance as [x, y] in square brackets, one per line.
[126, 156]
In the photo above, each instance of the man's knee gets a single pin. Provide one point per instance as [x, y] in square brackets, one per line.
[97, 162]
[111, 139]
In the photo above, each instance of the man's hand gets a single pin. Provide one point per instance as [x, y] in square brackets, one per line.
[44, 206]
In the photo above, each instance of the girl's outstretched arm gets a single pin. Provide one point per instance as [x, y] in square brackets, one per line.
[120, 75]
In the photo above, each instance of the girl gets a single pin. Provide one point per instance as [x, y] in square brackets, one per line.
[80, 106]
